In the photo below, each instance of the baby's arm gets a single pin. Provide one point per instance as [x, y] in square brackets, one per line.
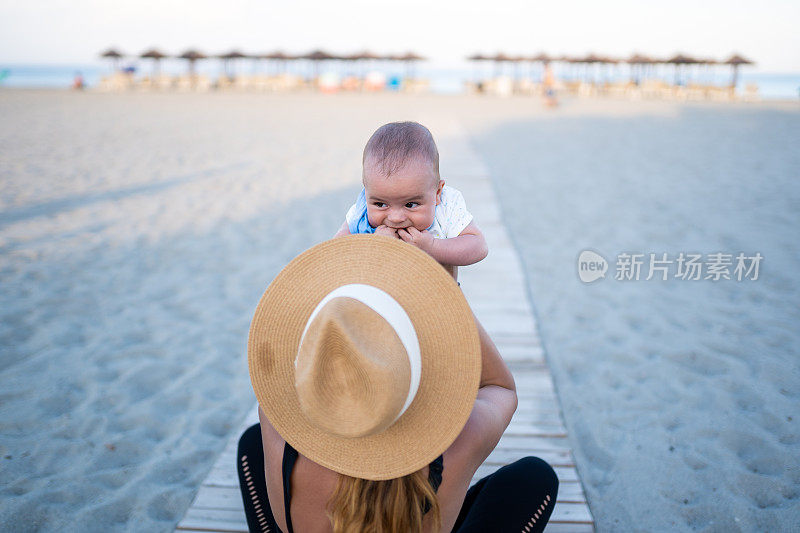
[467, 248]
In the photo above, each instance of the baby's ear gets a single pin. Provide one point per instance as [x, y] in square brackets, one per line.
[439, 192]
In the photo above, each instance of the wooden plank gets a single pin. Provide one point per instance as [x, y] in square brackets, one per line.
[571, 512]
[213, 520]
[566, 527]
[564, 473]
[505, 456]
[537, 416]
[219, 498]
[570, 492]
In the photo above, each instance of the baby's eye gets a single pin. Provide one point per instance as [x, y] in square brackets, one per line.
[411, 205]
[379, 204]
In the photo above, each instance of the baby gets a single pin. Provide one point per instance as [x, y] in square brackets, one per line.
[404, 197]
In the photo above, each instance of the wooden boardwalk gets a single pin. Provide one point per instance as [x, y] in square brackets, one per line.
[497, 291]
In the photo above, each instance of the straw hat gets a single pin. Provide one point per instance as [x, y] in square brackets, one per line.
[365, 357]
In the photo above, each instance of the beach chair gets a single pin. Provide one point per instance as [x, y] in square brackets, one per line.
[163, 82]
[751, 93]
[375, 81]
[117, 82]
[352, 83]
[223, 83]
[416, 85]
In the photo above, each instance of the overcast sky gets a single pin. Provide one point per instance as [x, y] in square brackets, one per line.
[76, 31]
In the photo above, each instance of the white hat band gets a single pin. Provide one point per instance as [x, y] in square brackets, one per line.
[394, 314]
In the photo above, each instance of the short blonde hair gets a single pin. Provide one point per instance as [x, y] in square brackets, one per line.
[393, 144]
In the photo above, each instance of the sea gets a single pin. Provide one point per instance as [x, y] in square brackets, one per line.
[444, 78]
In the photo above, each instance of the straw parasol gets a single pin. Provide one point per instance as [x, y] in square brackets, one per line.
[156, 55]
[280, 58]
[734, 61]
[638, 60]
[316, 57]
[191, 56]
[542, 58]
[679, 60]
[113, 54]
[410, 58]
[588, 59]
[498, 59]
[228, 57]
[477, 58]
[365, 56]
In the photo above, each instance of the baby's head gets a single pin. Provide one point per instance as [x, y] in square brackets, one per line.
[401, 176]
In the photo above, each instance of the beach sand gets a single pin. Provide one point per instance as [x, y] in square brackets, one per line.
[681, 397]
[138, 231]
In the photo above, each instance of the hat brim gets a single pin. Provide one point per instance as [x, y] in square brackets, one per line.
[449, 346]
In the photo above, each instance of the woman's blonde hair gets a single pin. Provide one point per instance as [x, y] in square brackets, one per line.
[400, 504]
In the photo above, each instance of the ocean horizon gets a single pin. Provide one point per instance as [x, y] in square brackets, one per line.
[444, 78]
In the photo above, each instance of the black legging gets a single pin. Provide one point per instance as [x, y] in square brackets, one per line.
[518, 497]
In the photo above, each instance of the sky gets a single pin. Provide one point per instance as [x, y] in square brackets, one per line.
[445, 31]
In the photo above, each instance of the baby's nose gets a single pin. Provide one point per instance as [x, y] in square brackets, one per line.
[397, 215]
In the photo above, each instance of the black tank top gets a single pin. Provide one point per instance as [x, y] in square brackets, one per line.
[290, 457]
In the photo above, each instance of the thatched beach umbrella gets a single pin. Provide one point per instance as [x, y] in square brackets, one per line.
[679, 60]
[734, 61]
[279, 57]
[517, 61]
[366, 57]
[228, 57]
[638, 60]
[608, 63]
[586, 61]
[156, 55]
[316, 57]
[541, 57]
[567, 60]
[477, 58]
[498, 59]
[113, 54]
[191, 56]
[410, 58]
[706, 64]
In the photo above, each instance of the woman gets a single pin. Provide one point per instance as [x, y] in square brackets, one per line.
[380, 395]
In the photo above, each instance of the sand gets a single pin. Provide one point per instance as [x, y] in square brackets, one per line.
[681, 397]
[137, 232]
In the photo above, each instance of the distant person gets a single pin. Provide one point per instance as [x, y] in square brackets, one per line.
[376, 407]
[405, 198]
[549, 84]
[77, 82]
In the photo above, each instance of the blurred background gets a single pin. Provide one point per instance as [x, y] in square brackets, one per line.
[50, 44]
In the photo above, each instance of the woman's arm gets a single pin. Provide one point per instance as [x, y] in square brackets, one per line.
[493, 408]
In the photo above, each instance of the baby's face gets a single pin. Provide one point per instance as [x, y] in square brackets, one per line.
[406, 198]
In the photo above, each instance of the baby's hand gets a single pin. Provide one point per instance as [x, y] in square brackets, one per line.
[421, 239]
[386, 230]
